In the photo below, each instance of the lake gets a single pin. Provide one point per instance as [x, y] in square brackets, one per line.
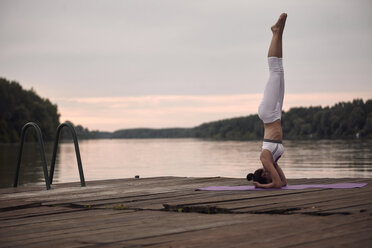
[126, 158]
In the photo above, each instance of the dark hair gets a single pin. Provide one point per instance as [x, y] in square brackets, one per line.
[257, 176]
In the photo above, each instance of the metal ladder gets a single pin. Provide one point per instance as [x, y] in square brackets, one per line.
[49, 179]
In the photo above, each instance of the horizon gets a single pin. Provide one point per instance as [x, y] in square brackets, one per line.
[249, 105]
[112, 65]
[232, 117]
[181, 127]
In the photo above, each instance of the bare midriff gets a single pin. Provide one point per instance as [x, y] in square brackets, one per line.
[273, 130]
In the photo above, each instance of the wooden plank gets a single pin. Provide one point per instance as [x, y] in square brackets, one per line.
[302, 200]
[150, 224]
[58, 217]
[31, 212]
[262, 232]
[38, 218]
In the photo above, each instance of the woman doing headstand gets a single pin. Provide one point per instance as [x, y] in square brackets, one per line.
[269, 111]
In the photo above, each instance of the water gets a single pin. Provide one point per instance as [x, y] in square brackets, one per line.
[125, 158]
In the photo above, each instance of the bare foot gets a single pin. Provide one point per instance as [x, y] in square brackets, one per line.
[279, 25]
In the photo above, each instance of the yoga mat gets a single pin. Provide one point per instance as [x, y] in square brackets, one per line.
[300, 186]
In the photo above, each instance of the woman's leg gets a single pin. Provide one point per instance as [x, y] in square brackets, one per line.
[275, 49]
[270, 108]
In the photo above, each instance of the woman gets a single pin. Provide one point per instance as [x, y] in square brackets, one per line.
[269, 111]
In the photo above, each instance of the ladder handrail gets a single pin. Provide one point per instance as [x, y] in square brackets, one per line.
[77, 151]
[42, 153]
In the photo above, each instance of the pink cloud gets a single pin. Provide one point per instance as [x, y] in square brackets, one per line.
[106, 113]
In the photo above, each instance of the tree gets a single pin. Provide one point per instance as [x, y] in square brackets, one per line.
[19, 106]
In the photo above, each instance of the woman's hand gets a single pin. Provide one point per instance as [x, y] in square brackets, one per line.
[257, 184]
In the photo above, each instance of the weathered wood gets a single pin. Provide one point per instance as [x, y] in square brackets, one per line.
[168, 212]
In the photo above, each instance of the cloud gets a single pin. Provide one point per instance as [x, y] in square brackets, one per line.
[154, 111]
[112, 113]
[121, 64]
[125, 48]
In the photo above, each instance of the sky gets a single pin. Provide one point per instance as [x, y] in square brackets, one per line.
[115, 64]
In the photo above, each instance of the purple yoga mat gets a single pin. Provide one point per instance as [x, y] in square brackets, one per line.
[300, 186]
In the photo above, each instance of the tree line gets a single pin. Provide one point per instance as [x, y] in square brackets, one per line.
[344, 120]
[138, 133]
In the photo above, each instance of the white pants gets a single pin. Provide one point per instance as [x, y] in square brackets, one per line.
[270, 108]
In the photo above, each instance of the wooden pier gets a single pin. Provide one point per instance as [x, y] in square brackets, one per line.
[168, 212]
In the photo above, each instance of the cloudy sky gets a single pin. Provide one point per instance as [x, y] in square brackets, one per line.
[112, 64]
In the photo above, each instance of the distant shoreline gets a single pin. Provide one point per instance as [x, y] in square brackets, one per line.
[344, 120]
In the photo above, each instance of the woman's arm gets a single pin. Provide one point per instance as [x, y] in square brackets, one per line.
[266, 186]
[281, 174]
[268, 164]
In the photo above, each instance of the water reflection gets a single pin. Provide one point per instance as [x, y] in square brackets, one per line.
[108, 159]
[31, 170]
[328, 158]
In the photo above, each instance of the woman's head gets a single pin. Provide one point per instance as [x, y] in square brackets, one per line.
[258, 176]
